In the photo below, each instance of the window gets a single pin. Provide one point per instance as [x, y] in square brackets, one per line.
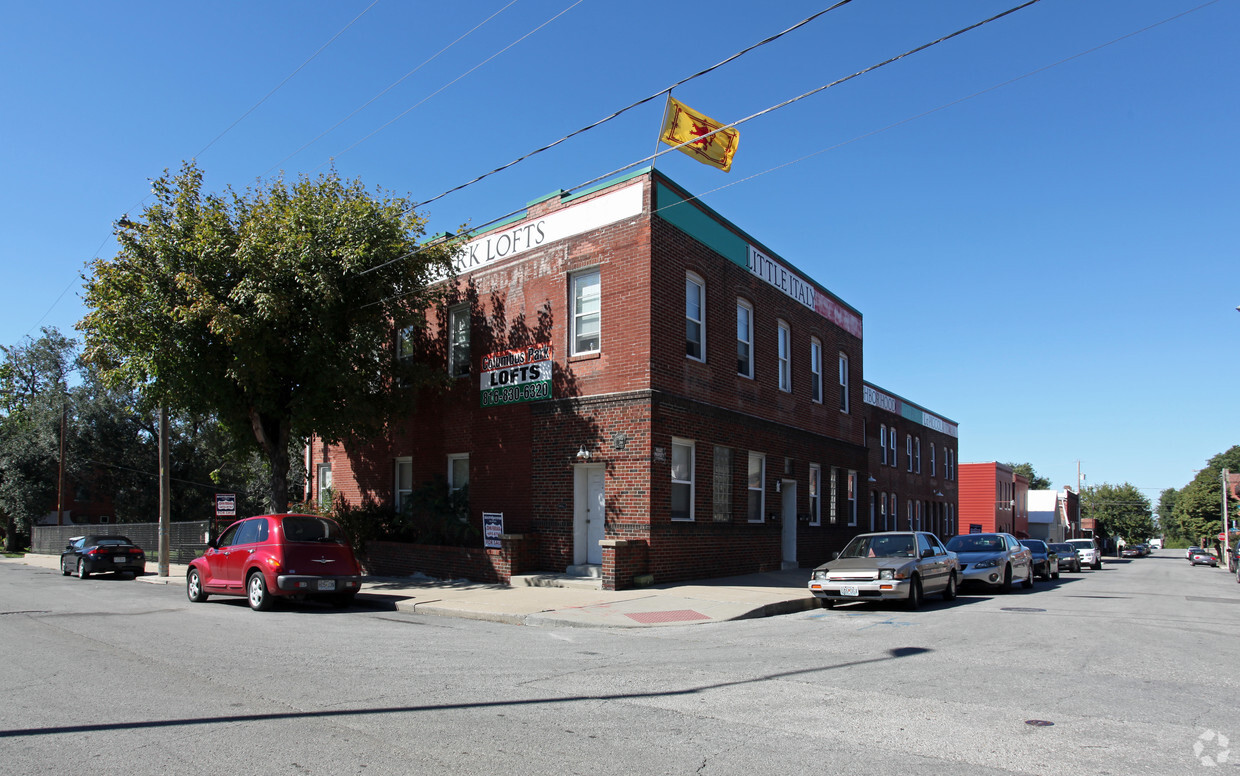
[852, 498]
[909, 507]
[843, 383]
[949, 464]
[323, 484]
[682, 480]
[882, 441]
[891, 510]
[815, 370]
[918, 515]
[873, 508]
[815, 494]
[695, 317]
[586, 306]
[722, 502]
[458, 340]
[404, 342]
[744, 339]
[833, 494]
[785, 357]
[892, 441]
[404, 483]
[908, 450]
[882, 510]
[932, 467]
[917, 455]
[458, 472]
[757, 487]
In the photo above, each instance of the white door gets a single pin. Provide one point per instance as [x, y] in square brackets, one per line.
[589, 514]
[788, 515]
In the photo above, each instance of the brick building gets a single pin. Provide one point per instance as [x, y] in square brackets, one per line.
[912, 457]
[993, 498]
[641, 389]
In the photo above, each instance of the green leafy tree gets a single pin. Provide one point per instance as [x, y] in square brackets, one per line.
[271, 311]
[1198, 510]
[1166, 514]
[1036, 481]
[33, 399]
[1118, 510]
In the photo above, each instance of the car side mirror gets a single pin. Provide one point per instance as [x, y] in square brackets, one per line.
[213, 545]
[927, 553]
[68, 546]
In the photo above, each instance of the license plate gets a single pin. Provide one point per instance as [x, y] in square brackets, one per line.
[327, 584]
[120, 558]
[849, 590]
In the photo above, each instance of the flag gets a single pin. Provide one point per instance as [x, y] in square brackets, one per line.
[685, 127]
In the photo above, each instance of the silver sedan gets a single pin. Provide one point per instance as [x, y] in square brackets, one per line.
[994, 559]
[893, 565]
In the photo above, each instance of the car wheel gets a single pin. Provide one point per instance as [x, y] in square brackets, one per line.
[1027, 583]
[64, 567]
[949, 592]
[193, 587]
[1006, 585]
[256, 592]
[82, 573]
[1076, 567]
[1097, 565]
[914, 594]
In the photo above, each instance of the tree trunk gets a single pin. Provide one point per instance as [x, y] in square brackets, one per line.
[272, 435]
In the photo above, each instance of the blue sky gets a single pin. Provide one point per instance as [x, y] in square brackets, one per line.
[1037, 219]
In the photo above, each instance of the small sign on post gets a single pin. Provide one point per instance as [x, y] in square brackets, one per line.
[225, 504]
[492, 529]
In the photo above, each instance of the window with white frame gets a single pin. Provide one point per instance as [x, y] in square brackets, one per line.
[458, 472]
[695, 317]
[891, 440]
[403, 489]
[917, 455]
[933, 470]
[843, 383]
[891, 510]
[682, 479]
[815, 370]
[882, 441]
[909, 506]
[757, 487]
[908, 450]
[587, 306]
[323, 484]
[918, 510]
[852, 498]
[458, 340]
[744, 339]
[815, 494]
[785, 357]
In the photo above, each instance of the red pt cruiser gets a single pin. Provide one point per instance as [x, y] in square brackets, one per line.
[272, 556]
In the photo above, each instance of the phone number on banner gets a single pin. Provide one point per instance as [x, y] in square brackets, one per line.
[511, 394]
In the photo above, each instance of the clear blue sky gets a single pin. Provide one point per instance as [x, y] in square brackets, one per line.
[1051, 261]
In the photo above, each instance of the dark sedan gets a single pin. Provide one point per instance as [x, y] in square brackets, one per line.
[102, 554]
[1068, 559]
[1045, 560]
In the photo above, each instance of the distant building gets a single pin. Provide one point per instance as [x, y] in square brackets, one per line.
[993, 498]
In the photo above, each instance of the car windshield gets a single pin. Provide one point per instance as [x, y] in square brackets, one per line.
[1062, 548]
[1084, 544]
[975, 543]
[879, 546]
[307, 528]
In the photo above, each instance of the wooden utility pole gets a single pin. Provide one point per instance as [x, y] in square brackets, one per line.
[165, 493]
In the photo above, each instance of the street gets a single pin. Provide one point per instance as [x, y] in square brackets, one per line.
[1127, 670]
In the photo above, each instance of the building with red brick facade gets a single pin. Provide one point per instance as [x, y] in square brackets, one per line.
[912, 462]
[641, 389]
[993, 498]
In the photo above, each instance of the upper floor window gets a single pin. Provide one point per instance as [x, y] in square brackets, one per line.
[458, 472]
[882, 442]
[917, 455]
[458, 340]
[815, 369]
[587, 301]
[908, 450]
[744, 339]
[695, 317]
[933, 471]
[891, 438]
[682, 479]
[843, 383]
[785, 357]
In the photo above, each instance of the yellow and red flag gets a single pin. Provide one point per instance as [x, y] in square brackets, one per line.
[692, 131]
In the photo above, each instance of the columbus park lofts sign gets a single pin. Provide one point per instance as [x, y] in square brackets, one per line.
[512, 376]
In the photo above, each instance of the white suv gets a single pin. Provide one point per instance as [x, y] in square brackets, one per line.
[1088, 553]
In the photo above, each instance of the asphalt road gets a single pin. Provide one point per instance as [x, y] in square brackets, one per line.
[1128, 670]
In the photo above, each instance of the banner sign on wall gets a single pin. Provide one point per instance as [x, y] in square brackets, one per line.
[492, 528]
[512, 376]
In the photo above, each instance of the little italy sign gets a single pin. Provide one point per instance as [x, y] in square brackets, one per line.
[512, 376]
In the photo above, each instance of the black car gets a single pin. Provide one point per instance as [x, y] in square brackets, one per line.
[1045, 560]
[102, 554]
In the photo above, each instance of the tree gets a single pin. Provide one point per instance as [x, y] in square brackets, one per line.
[1198, 511]
[33, 400]
[272, 311]
[1166, 511]
[1036, 482]
[1118, 510]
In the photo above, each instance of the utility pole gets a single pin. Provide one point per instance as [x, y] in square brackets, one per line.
[165, 493]
[1226, 533]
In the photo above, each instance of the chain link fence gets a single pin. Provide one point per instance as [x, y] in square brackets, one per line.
[186, 541]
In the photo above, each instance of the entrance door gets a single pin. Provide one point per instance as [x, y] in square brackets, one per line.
[788, 515]
[589, 514]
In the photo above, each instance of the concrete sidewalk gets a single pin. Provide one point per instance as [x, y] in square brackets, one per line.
[712, 600]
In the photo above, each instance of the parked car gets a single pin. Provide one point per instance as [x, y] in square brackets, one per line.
[892, 565]
[277, 556]
[1068, 559]
[1233, 560]
[86, 555]
[994, 559]
[1189, 552]
[1088, 552]
[1045, 561]
[1131, 551]
[1203, 558]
